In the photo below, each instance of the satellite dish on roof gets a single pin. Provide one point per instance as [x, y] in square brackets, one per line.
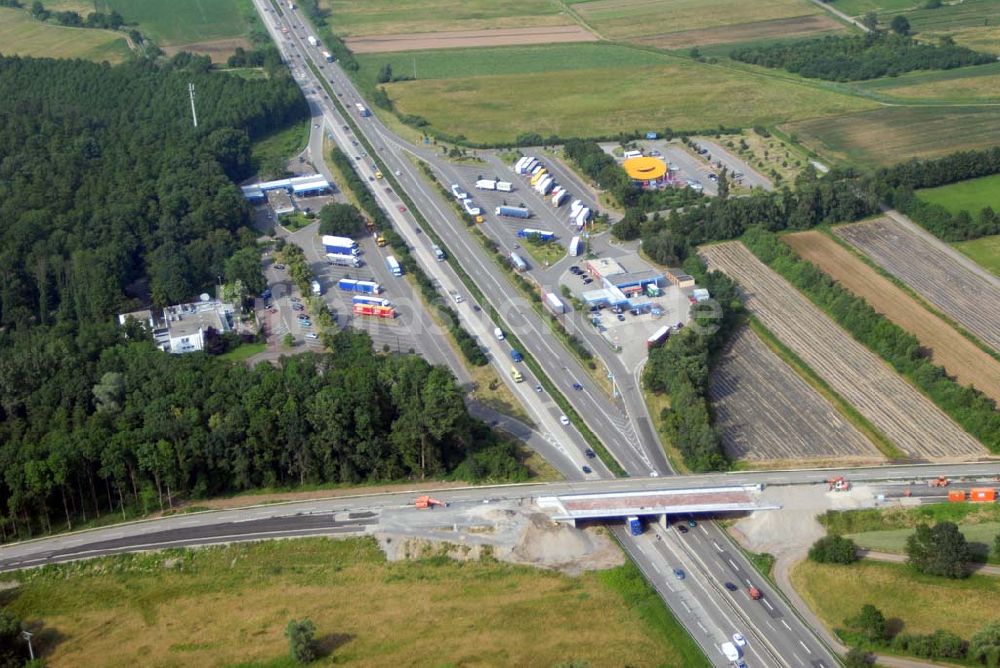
[204, 297]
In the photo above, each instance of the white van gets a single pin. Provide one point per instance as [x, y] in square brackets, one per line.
[498, 333]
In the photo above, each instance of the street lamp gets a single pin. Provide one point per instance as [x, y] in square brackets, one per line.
[31, 650]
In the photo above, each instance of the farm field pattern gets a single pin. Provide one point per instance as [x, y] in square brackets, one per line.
[970, 299]
[895, 408]
[767, 412]
[957, 354]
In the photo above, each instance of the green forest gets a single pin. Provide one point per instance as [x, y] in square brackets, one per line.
[858, 58]
[111, 199]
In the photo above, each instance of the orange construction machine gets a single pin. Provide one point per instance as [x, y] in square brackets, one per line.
[424, 502]
[838, 484]
[940, 482]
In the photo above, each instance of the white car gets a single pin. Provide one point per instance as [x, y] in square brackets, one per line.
[563, 420]
[310, 335]
[739, 640]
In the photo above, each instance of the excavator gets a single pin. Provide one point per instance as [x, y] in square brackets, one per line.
[425, 502]
[838, 484]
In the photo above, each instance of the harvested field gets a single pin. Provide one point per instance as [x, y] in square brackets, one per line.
[767, 412]
[218, 50]
[798, 26]
[970, 298]
[469, 39]
[895, 408]
[959, 356]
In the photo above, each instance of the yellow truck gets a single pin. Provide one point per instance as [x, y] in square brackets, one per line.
[516, 375]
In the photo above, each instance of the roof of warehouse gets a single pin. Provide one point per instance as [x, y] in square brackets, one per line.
[673, 501]
[635, 277]
[309, 183]
[645, 168]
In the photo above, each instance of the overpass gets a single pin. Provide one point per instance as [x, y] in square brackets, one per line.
[573, 508]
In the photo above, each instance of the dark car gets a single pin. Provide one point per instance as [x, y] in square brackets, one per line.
[577, 386]
[692, 523]
[679, 574]
[586, 469]
[590, 453]
[588, 281]
[620, 317]
[730, 586]
[682, 528]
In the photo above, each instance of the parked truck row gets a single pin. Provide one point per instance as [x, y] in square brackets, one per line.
[545, 185]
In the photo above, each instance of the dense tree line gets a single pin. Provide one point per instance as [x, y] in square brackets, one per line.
[681, 368]
[110, 21]
[860, 57]
[970, 408]
[95, 423]
[106, 189]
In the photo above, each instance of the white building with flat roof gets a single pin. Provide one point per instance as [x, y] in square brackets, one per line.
[187, 324]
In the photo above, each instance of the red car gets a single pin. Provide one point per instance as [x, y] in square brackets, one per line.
[402, 209]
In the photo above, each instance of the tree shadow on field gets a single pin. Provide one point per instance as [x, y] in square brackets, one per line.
[331, 642]
[44, 638]
[894, 626]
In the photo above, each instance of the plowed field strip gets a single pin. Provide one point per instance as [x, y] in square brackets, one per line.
[894, 407]
[957, 354]
[962, 295]
[767, 412]
[469, 39]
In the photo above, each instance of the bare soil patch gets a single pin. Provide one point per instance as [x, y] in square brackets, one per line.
[798, 26]
[907, 417]
[971, 299]
[957, 354]
[767, 412]
[218, 50]
[469, 38]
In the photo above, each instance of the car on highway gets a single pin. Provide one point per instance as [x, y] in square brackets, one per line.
[586, 469]
[402, 209]
[538, 388]
[577, 386]
[357, 157]
[682, 528]
[678, 573]
[563, 420]
[398, 173]
[590, 453]
[730, 586]
[371, 178]
[388, 189]
[739, 640]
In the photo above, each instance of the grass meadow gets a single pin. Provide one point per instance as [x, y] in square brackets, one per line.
[972, 195]
[23, 36]
[492, 95]
[985, 251]
[229, 605]
[914, 603]
[185, 21]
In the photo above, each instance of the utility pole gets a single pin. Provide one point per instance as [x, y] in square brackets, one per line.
[194, 114]
[27, 636]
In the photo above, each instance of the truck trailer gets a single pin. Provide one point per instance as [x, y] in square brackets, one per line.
[328, 56]
[528, 232]
[575, 246]
[362, 110]
[518, 262]
[457, 191]
[340, 245]
[634, 525]
[471, 208]
[369, 299]
[513, 212]
[554, 303]
[364, 287]
[393, 264]
[505, 186]
[374, 309]
[658, 338]
[486, 184]
[343, 259]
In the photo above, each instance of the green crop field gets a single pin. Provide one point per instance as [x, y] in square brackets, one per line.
[185, 21]
[922, 603]
[393, 17]
[229, 606]
[496, 97]
[985, 251]
[979, 536]
[894, 134]
[23, 36]
[972, 195]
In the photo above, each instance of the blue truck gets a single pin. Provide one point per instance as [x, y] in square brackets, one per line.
[542, 235]
[364, 287]
[634, 525]
[513, 212]
[339, 245]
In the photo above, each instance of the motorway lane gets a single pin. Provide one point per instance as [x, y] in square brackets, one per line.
[542, 408]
